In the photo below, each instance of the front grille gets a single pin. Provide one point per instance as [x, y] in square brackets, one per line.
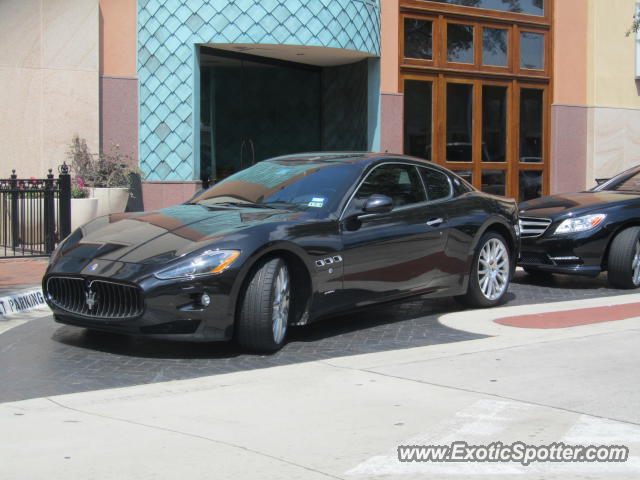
[534, 259]
[533, 227]
[95, 298]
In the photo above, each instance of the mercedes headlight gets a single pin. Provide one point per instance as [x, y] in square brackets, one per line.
[580, 224]
[210, 262]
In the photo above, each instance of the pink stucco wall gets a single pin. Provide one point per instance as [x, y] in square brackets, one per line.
[158, 195]
[119, 116]
[568, 148]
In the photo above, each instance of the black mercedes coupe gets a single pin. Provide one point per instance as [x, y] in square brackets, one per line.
[286, 242]
[586, 233]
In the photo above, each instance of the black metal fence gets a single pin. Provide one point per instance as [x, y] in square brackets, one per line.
[35, 214]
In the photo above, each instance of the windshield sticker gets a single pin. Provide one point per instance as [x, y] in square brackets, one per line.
[317, 202]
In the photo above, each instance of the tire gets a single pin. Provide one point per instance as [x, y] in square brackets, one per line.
[624, 259]
[488, 289]
[263, 318]
[537, 274]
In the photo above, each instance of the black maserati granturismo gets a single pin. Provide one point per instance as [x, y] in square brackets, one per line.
[286, 242]
[586, 233]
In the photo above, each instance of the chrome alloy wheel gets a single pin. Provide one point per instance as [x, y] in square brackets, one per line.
[493, 269]
[280, 306]
[635, 265]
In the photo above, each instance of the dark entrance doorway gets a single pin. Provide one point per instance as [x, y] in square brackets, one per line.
[254, 108]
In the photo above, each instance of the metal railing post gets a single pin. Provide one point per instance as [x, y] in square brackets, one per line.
[15, 198]
[49, 214]
[64, 201]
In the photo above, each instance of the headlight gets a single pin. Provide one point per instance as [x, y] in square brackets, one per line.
[580, 224]
[207, 263]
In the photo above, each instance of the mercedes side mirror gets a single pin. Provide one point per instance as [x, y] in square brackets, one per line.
[378, 204]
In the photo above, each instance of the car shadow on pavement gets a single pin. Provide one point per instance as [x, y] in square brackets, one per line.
[397, 324]
[559, 281]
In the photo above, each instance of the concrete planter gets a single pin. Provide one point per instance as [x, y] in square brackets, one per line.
[110, 200]
[83, 210]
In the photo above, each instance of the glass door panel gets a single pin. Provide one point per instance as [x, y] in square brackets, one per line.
[459, 126]
[494, 182]
[418, 118]
[494, 123]
[531, 125]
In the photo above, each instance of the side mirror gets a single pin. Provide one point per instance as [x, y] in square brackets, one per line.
[378, 204]
[600, 181]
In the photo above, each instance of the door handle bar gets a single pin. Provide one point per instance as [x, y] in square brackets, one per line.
[435, 222]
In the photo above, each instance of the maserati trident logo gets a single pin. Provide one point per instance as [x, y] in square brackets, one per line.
[90, 298]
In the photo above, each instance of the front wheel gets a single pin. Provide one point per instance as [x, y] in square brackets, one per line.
[263, 317]
[490, 272]
[624, 259]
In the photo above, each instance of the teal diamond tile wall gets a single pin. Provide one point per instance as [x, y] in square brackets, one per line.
[168, 31]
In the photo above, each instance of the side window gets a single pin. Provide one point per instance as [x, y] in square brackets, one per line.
[399, 182]
[437, 183]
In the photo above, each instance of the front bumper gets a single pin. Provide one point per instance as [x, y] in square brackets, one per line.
[575, 254]
[172, 308]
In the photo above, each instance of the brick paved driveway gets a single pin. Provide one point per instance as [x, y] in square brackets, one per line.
[42, 358]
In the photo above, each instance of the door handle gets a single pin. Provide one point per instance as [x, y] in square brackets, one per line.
[434, 222]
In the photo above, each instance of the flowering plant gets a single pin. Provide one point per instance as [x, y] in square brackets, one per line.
[78, 188]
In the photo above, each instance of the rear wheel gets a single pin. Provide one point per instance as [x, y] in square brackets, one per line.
[490, 272]
[263, 318]
[624, 259]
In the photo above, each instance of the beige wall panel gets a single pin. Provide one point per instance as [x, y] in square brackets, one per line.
[616, 141]
[20, 35]
[49, 64]
[389, 62]
[71, 107]
[70, 34]
[20, 92]
[612, 81]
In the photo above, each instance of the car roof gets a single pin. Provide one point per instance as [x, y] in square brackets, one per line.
[364, 158]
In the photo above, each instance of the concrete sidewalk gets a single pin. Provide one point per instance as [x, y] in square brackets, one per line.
[345, 417]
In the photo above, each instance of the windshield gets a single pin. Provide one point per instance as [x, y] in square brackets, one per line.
[319, 185]
[628, 181]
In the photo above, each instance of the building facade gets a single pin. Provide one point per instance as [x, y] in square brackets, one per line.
[521, 97]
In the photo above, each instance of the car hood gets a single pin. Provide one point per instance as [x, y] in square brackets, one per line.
[163, 235]
[574, 203]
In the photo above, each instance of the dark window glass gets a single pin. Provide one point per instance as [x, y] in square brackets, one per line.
[459, 43]
[494, 182]
[459, 122]
[466, 175]
[530, 184]
[532, 50]
[399, 182]
[437, 184]
[417, 118]
[494, 124]
[530, 7]
[531, 125]
[418, 39]
[495, 45]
